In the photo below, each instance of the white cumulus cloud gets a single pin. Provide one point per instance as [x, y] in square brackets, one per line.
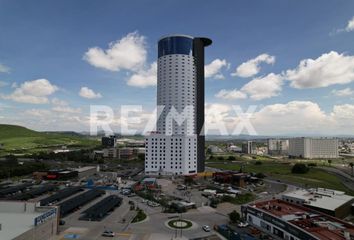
[144, 78]
[350, 25]
[59, 102]
[213, 69]
[252, 66]
[66, 109]
[343, 92]
[86, 92]
[328, 69]
[128, 53]
[264, 87]
[292, 117]
[343, 112]
[35, 92]
[231, 94]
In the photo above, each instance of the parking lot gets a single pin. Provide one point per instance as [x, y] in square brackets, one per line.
[155, 225]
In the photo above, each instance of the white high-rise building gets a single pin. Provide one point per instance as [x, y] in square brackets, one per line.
[177, 146]
[313, 147]
[278, 146]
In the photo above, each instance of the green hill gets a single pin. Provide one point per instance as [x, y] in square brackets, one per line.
[20, 140]
[11, 131]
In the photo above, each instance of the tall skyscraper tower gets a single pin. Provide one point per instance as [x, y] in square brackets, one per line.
[177, 146]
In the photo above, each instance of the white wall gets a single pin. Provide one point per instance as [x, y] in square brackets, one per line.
[17, 207]
[313, 147]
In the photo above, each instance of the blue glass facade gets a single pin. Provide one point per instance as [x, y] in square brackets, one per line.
[175, 45]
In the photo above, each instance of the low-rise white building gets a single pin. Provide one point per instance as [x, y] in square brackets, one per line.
[24, 221]
[313, 147]
[215, 149]
[331, 202]
[234, 148]
[285, 220]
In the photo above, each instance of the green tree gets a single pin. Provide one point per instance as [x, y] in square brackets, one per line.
[300, 168]
[329, 162]
[234, 216]
[260, 175]
[208, 151]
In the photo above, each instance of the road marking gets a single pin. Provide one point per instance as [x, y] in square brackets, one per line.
[124, 234]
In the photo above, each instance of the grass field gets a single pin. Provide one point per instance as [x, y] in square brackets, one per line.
[20, 140]
[282, 171]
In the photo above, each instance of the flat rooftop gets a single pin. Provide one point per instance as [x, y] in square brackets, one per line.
[83, 169]
[14, 224]
[320, 225]
[321, 198]
[149, 180]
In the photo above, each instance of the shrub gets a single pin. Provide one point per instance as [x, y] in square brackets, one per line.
[173, 222]
[234, 216]
[239, 199]
[258, 163]
[260, 175]
[312, 164]
[140, 216]
[300, 168]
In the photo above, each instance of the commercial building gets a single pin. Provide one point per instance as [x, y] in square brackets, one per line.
[234, 148]
[331, 202]
[215, 149]
[24, 221]
[57, 174]
[130, 142]
[278, 146]
[249, 148]
[139, 150]
[120, 153]
[238, 179]
[177, 147]
[86, 171]
[294, 222]
[111, 152]
[126, 153]
[109, 141]
[313, 147]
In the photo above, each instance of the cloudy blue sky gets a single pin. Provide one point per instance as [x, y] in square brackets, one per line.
[292, 59]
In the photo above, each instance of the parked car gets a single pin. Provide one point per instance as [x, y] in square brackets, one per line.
[153, 204]
[108, 234]
[206, 228]
[181, 187]
[243, 224]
